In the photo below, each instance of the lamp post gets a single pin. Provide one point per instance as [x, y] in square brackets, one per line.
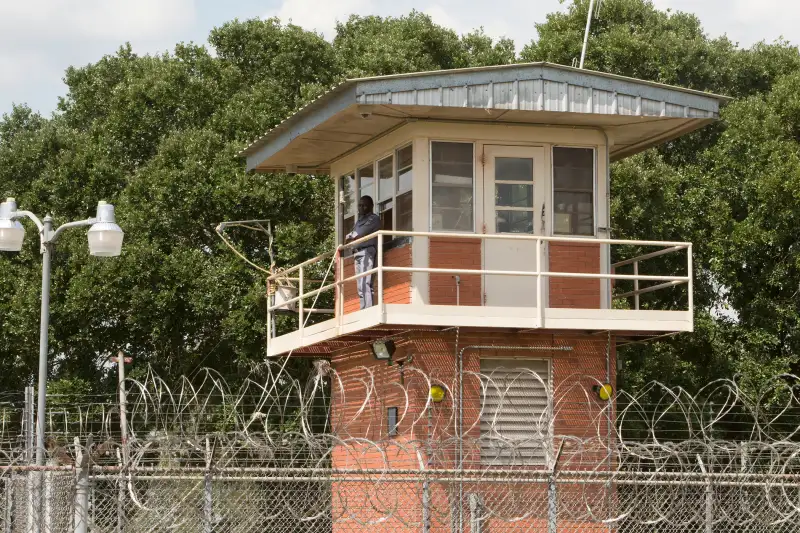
[105, 240]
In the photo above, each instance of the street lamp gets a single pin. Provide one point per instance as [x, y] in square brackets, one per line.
[105, 240]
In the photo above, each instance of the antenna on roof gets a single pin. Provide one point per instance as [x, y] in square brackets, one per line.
[588, 27]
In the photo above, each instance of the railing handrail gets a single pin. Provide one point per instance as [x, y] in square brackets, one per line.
[670, 247]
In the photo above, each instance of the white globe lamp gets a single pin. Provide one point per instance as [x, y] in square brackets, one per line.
[11, 231]
[105, 237]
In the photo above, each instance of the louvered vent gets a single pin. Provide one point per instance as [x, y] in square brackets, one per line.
[516, 411]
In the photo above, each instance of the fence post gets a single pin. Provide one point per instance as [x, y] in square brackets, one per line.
[475, 507]
[124, 456]
[426, 485]
[552, 494]
[82, 488]
[208, 507]
[120, 493]
[709, 498]
[9, 492]
[32, 478]
[552, 505]
[28, 424]
[426, 506]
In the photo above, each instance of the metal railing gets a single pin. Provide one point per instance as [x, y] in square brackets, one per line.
[541, 275]
[635, 261]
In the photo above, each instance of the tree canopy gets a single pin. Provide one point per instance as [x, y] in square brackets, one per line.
[159, 135]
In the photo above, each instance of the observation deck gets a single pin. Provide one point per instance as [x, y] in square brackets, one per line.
[556, 284]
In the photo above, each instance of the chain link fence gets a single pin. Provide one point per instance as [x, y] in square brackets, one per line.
[282, 456]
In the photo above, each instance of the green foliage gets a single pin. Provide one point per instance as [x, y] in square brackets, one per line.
[731, 189]
[158, 136]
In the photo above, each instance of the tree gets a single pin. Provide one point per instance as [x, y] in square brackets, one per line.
[159, 137]
[376, 46]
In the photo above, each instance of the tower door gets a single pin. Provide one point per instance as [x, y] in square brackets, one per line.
[514, 203]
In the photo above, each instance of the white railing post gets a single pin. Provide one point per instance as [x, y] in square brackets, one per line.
[541, 274]
[380, 271]
[340, 288]
[300, 305]
[539, 284]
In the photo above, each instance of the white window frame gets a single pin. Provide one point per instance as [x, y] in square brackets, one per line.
[430, 185]
[532, 184]
[340, 210]
[553, 189]
[548, 458]
[396, 170]
[376, 185]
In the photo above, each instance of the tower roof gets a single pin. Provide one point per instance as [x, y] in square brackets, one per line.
[636, 114]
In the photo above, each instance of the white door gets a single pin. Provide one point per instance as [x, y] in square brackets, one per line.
[514, 201]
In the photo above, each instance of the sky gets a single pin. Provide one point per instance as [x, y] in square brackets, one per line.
[39, 39]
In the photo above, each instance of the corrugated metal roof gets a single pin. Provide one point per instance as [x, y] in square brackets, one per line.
[514, 90]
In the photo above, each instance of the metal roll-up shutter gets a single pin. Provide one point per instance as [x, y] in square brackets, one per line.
[515, 419]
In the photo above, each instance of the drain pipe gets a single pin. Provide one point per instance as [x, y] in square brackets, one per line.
[460, 418]
[458, 290]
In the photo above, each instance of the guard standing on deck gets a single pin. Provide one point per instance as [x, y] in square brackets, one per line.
[364, 252]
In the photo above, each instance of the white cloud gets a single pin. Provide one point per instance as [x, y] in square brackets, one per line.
[743, 21]
[88, 19]
[39, 39]
[319, 15]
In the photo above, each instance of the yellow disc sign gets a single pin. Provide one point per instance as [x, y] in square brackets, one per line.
[605, 392]
[437, 394]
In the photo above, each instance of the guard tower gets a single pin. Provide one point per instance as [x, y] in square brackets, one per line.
[496, 252]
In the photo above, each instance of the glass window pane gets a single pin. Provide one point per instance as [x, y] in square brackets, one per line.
[385, 178]
[513, 195]
[404, 156]
[385, 211]
[366, 177]
[514, 221]
[513, 169]
[452, 187]
[573, 191]
[574, 213]
[404, 212]
[349, 195]
[347, 225]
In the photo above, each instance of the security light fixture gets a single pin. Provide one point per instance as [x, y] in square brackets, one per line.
[383, 350]
[11, 231]
[105, 237]
[105, 240]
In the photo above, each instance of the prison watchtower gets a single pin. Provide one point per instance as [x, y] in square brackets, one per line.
[493, 190]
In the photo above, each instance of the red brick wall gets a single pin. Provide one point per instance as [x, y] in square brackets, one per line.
[563, 257]
[575, 292]
[455, 253]
[371, 387]
[396, 285]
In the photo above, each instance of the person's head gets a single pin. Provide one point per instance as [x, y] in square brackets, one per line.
[365, 205]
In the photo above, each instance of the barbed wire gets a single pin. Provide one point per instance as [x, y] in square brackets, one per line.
[365, 447]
